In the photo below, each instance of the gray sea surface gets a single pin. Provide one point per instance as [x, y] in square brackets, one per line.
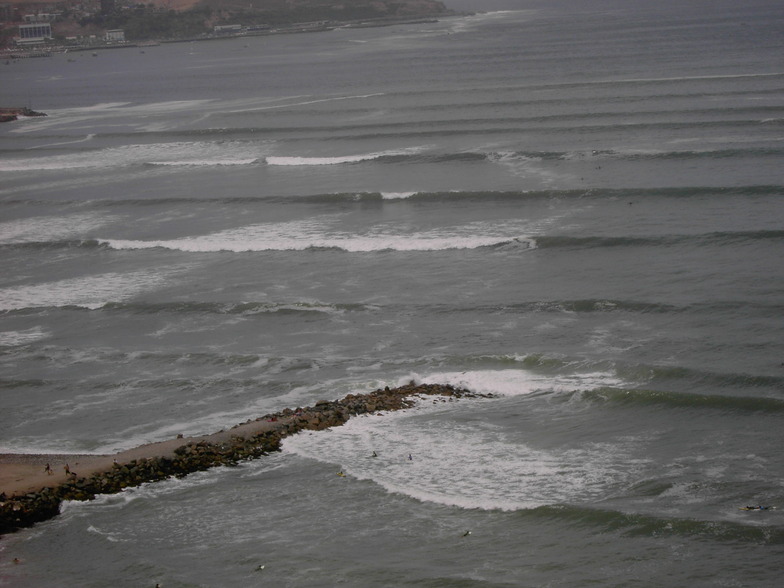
[577, 207]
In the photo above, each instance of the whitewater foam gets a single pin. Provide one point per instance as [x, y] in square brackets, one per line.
[13, 338]
[343, 159]
[318, 233]
[89, 292]
[41, 229]
[472, 466]
[397, 195]
[516, 382]
[188, 153]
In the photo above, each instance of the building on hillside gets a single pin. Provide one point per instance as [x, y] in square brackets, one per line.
[6, 13]
[227, 29]
[34, 33]
[39, 17]
[115, 36]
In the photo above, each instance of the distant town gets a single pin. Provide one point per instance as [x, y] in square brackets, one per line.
[33, 28]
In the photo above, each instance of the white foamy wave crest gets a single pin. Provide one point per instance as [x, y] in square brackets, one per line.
[396, 195]
[147, 491]
[11, 338]
[317, 233]
[512, 382]
[105, 111]
[206, 162]
[88, 137]
[198, 153]
[474, 466]
[111, 537]
[320, 160]
[88, 292]
[51, 228]
[309, 161]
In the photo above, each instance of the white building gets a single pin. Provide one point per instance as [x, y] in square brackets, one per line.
[227, 29]
[115, 36]
[33, 33]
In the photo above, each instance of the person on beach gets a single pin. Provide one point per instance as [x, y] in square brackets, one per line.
[48, 469]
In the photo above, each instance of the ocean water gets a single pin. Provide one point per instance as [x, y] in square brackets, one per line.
[577, 207]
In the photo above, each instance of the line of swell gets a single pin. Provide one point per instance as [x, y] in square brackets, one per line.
[230, 308]
[582, 306]
[52, 245]
[691, 118]
[243, 308]
[716, 238]
[468, 156]
[422, 132]
[721, 238]
[640, 525]
[588, 305]
[714, 380]
[476, 195]
[652, 375]
[735, 404]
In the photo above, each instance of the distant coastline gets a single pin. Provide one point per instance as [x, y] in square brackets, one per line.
[284, 29]
[199, 20]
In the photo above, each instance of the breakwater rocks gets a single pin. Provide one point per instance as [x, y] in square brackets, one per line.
[245, 441]
[9, 114]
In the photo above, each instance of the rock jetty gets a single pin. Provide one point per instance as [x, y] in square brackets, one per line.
[182, 456]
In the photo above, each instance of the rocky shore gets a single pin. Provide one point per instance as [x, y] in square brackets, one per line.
[36, 498]
[8, 114]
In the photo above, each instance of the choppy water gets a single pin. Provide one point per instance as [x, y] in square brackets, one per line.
[576, 208]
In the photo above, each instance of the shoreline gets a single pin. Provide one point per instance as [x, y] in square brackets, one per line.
[282, 29]
[29, 493]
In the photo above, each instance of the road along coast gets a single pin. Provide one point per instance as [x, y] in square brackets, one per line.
[32, 487]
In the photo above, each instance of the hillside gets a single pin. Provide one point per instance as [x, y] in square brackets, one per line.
[279, 11]
[177, 19]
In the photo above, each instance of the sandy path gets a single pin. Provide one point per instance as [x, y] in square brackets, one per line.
[21, 473]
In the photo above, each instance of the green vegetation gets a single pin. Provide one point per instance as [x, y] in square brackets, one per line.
[147, 22]
[142, 22]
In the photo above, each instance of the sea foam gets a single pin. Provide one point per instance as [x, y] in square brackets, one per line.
[52, 228]
[318, 233]
[88, 292]
[477, 465]
[343, 159]
[472, 466]
[186, 153]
